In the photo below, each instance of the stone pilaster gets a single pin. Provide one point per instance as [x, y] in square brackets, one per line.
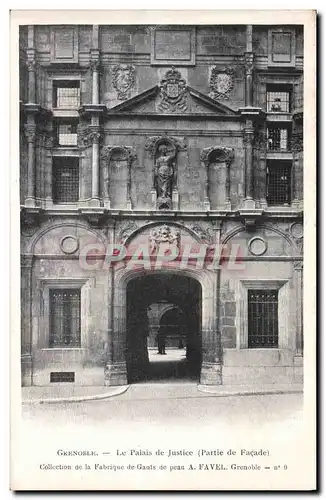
[95, 137]
[30, 132]
[298, 283]
[248, 138]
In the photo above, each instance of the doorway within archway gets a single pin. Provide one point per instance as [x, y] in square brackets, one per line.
[163, 309]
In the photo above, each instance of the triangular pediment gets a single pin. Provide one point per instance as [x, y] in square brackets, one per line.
[193, 102]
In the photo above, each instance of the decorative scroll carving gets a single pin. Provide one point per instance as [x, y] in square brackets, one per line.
[173, 92]
[298, 265]
[296, 142]
[259, 140]
[94, 64]
[220, 154]
[221, 82]
[203, 233]
[164, 235]
[123, 80]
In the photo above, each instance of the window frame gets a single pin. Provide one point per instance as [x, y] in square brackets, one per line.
[275, 87]
[44, 324]
[290, 187]
[272, 318]
[54, 197]
[51, 305]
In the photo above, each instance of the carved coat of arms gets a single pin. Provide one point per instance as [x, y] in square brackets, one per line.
[221, 83]
[123, 80]
[173, 92]
[166, 236]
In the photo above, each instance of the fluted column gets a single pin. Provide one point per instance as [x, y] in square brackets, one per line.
[30, 133]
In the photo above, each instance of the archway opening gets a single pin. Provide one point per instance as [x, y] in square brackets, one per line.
[163, 328]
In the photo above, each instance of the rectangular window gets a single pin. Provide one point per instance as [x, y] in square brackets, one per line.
[65, 183]
[262, 318]
[66, 133]
[65, 317]
[278, 138]
[278, 99]
[66, 94]
[278, 182]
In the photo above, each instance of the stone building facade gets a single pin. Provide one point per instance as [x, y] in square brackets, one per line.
[183, 136]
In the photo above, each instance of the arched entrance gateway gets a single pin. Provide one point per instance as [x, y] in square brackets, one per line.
[179, 327]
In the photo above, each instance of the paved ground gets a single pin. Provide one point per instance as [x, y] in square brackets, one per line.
[162, 404]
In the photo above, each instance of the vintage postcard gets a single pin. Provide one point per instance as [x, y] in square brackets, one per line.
[163, 192]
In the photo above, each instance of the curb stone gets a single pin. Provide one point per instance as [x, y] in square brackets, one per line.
[78, 399]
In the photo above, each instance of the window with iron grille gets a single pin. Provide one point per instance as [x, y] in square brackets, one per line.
[66, 94]
[66, 132]
[262, 318]
[65, 318]
[279, 182]
[278, 138]
[278, 99]
[65, 182]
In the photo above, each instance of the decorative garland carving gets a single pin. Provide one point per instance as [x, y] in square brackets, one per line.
[126, 230]
[221, 82]
[203, 234]
[123, 80]
[173, 92]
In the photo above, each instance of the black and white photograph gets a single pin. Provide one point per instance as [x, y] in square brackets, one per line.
[161, 191]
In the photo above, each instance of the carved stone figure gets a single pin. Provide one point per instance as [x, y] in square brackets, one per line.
[163, 177]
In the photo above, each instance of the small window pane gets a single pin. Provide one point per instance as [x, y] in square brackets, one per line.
[277, 139]
[67, 134]
[278, 102]
[67, 94]
[262, 318]
[65, 318]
